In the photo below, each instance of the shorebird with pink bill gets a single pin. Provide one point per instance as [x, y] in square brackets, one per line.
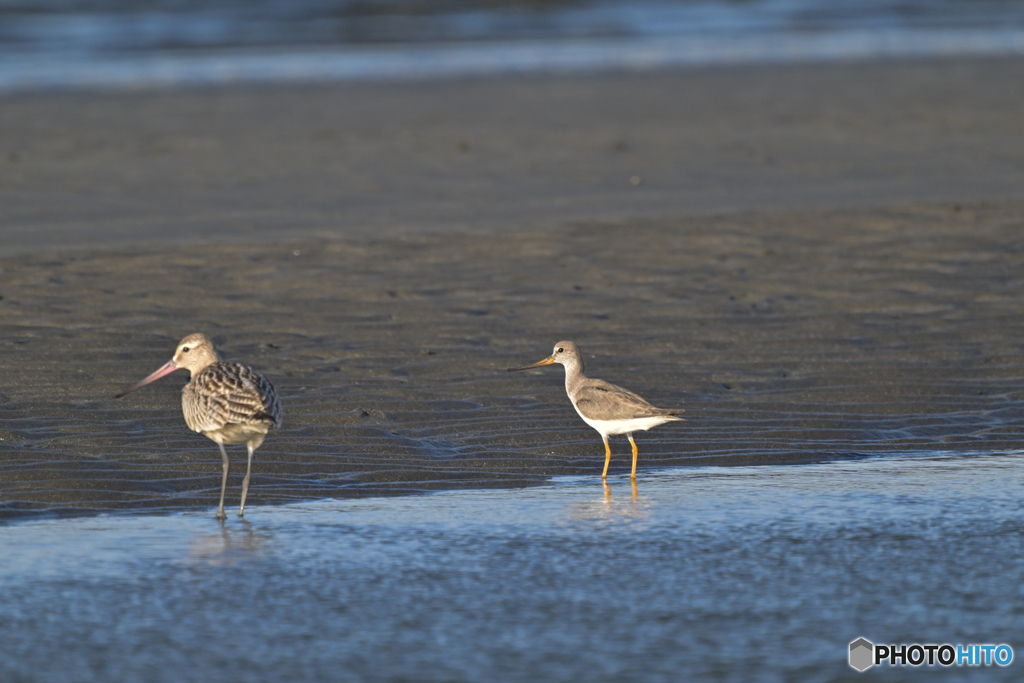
[225, 402]
[607, 408]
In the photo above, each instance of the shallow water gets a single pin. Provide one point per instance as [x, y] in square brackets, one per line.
[744, 573]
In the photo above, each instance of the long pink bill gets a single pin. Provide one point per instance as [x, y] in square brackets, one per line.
[165, 369]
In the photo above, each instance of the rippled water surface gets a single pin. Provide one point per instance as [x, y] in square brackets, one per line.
[745, 573]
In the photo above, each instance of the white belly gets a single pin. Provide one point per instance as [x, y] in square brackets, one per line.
[232, 434]
[636, 424]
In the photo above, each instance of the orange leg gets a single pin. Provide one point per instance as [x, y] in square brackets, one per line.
[633, 481]
[633, 444]
[607, 457]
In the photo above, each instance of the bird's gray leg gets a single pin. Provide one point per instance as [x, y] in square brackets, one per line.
[245, 482]
[223, 482]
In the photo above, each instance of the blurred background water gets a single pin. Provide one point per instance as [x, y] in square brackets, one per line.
[57, 43]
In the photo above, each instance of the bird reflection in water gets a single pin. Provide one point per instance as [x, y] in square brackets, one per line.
[235, 543]
[608, 490]
[613, 505]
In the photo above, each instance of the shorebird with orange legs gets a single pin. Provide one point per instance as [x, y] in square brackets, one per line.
[608, 408]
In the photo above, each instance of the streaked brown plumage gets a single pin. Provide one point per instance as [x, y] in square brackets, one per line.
[226, 402]
[608, 408]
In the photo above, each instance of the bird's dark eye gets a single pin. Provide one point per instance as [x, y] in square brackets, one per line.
[560, 350]
[184, 349]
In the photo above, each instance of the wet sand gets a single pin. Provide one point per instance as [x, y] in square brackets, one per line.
[817, 263]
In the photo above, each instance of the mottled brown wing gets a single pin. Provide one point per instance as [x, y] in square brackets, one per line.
[227, 393]
[600, 400]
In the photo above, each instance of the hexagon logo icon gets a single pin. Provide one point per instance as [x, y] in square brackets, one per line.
[862, 654]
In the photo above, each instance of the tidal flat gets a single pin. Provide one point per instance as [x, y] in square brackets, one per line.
[821, 263]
